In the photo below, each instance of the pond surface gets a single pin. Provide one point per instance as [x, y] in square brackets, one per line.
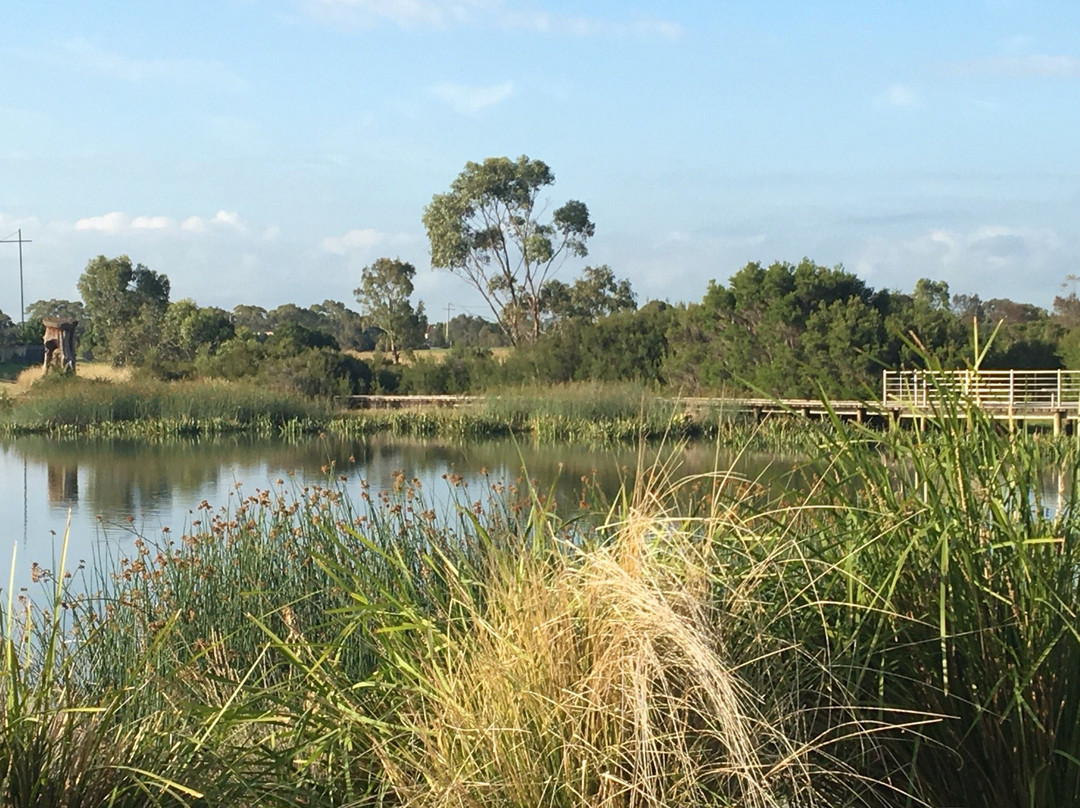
[117, 490]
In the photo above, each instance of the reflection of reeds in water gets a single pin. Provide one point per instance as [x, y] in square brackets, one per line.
[901, 630]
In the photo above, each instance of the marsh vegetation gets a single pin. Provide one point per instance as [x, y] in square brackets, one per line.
[900, 631]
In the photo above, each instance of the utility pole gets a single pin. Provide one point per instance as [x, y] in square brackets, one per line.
[22, 299]
[446, 326]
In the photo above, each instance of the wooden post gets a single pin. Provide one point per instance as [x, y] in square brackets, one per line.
[60, 344]
[1057, 422]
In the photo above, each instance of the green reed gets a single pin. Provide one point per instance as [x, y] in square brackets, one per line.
[592, 414]
[64, 406]
[57, 746]
[901, 632]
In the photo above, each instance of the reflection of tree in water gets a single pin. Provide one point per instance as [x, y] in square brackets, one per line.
[129, 478]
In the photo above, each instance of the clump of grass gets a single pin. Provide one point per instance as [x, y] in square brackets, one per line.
[960, 581]
[586, 676]
[61, 747]
[64, 405]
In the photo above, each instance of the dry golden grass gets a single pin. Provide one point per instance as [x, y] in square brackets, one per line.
[86, 370]
[434, 355]
[103, 371]
[577, 685]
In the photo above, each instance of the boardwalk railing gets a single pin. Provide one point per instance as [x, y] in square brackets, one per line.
[1012, 391]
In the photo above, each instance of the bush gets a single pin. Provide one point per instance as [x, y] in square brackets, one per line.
[237, 358]
[319, 373]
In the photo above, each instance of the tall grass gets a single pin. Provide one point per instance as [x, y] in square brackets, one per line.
[58, 749]
[900, 632]
[589, 414]
[958, 581]
[59, 406]
[593, 414]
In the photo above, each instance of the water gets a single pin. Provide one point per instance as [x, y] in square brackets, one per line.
[118, 490]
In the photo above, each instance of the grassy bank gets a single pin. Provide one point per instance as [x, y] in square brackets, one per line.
[903, 634]
[59, 406]
[593, 414]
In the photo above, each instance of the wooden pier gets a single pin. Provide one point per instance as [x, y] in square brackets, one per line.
[1017, 397]
[1014, 396]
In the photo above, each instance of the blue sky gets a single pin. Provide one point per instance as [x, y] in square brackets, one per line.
[264, 151]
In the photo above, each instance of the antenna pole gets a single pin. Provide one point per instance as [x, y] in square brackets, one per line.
[22, 297]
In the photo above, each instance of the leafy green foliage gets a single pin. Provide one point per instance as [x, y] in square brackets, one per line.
[8, 330]
[595, 294]
[70, 310]
[488, 230]
[318, 372]
[467, 331]
[806, 330]
[385, 288]
[186, 331]
[125, 305]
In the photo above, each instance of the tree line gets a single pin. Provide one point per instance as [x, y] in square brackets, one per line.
[797, 330]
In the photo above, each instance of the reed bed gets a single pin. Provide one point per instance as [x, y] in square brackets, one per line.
[590, 414]
[901, 632]
[70, 407]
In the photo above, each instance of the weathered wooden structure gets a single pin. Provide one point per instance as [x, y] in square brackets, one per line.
[60, 344]
[1013, 396]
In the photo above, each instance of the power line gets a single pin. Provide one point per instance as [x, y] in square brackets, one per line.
[22, 299]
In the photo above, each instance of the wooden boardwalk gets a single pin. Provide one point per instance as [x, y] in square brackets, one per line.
[1013, 396]
[1018, 397]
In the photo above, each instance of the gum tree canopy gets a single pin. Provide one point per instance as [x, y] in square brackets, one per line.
[490, 229]
[385, 288]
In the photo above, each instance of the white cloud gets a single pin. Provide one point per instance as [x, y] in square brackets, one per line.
[498, 13]
[406, 13]
[362, 240]
[202, 73]
[229, 219]
[114, 222]
[216, 259]
[543, 22]
[1030, 66]
[993, 260]
[899, 96]
[470, 100]
[193, 224]
[150, 223]
[119, 222]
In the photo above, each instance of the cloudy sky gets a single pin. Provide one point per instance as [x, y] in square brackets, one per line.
[264, 151]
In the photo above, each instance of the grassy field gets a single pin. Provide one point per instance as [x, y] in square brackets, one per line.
[903, 633]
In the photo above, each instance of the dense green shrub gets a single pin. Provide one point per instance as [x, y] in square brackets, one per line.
[318, 373]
